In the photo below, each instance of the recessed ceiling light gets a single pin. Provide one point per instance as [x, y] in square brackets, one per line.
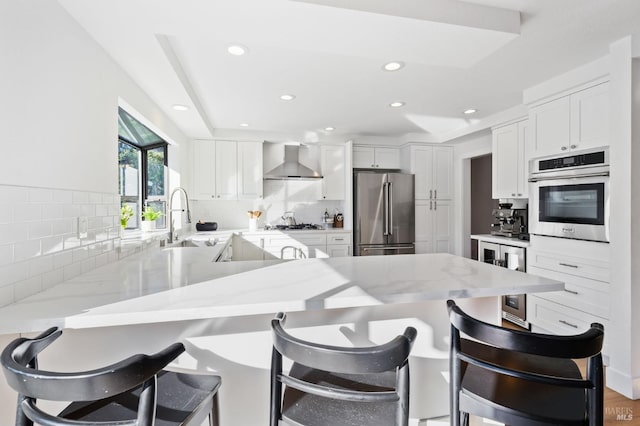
[287, 97]
[396, 104]
[178, 107]
[393, 66]
[329, 129]
[470, 111]
[237, 50]
[244, 125]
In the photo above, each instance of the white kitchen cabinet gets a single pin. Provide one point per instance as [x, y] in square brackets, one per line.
[573, 122]
[339, 244]
[250, 170]
[509, 160]
[204, 172]
[332, 165]
[265, 245]
[433, 170]
[227, 170]
[369, 157]
[590, 117]
[584, 268]
[434, 226]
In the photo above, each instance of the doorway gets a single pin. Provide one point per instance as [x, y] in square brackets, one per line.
[481, 203]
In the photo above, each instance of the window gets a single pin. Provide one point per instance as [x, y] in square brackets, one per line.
[142, 159]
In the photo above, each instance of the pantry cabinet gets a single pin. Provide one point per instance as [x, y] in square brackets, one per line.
[573, 122]
[509, 160]
[226, 170]
[432, 167]
[368, 157]
[332, 165]
[434, 226]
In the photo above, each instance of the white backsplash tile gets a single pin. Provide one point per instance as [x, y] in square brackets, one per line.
[39, 245]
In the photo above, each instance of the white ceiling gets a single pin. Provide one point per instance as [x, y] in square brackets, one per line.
[458, 55]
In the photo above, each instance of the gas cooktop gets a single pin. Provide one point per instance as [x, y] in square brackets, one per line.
[298, 226]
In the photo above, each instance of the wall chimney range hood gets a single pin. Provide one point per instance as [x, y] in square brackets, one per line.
[292, 169]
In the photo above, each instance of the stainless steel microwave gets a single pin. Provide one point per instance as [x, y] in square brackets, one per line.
[570, 195]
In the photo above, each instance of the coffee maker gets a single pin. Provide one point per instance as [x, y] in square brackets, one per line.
[509, 222]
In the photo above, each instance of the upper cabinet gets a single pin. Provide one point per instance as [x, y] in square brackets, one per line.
[509, 160]
[227, 170]
[574, 122]
[368, 157]
[332, 164]
[249, 170]
[433, 170]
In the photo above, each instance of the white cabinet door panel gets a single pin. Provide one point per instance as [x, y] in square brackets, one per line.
[226, 170]
[249, 170]
[204, 170]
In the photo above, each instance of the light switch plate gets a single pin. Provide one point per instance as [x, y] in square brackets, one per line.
[83, 227]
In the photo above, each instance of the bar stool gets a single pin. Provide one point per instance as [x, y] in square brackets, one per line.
[521, 378]
[333, 385]
[133, 392]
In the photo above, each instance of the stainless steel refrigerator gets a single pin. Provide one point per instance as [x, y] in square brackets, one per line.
[384, 212]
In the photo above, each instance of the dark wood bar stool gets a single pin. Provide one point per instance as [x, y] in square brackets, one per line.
[333, 385]
[133, 392]
[521, 378]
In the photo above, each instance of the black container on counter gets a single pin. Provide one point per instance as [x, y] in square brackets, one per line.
[206, 226]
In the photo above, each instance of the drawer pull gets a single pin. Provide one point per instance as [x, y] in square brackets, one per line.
[568, 323]
[339, 239]
[571, 291]
[568, 265]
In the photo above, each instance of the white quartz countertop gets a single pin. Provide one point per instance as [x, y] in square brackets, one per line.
[500, 240]
[183, 284]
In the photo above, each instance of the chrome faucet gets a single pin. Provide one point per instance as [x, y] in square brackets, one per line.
[171, 210]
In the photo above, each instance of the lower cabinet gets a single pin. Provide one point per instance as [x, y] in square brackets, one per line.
[586, 297]
[288, 245]
[434, 226]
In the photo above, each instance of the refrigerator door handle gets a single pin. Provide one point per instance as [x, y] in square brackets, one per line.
[385, 200]
[390, 204]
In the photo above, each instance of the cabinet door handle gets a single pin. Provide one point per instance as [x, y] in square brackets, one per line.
[568, 323]
[564, 148]
[519, 195]
[435, 194]
[573, 146]
[435, 204]
[339, 239]
[568, 265]
[571, 291]
[431, 194]
[513, 194]
[430, 205]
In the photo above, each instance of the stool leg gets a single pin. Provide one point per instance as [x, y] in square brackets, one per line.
[214, 419]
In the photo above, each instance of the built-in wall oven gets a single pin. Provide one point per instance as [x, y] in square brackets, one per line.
[570, 195]
[514, 307]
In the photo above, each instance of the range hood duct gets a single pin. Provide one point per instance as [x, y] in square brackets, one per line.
[291, 169]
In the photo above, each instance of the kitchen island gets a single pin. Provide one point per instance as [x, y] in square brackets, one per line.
[145, 302]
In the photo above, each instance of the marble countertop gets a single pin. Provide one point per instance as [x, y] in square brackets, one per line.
[501, 240]
[183, 283]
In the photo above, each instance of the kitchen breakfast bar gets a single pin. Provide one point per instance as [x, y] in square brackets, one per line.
[222, 311]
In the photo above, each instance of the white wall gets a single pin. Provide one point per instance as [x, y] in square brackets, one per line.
[464, 150]
[60, 94]
[623, 374]
[58, 114]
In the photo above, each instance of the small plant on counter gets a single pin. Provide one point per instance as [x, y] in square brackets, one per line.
[126, 213]
[151, 214]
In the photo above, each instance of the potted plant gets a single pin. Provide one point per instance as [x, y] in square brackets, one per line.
[126, 213]
[149, 216]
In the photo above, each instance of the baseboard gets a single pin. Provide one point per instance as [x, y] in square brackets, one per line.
[623, 383]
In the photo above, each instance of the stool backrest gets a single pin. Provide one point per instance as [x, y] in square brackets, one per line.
[20, 365]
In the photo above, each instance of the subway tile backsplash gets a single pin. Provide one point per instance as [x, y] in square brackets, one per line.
[39, 242]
